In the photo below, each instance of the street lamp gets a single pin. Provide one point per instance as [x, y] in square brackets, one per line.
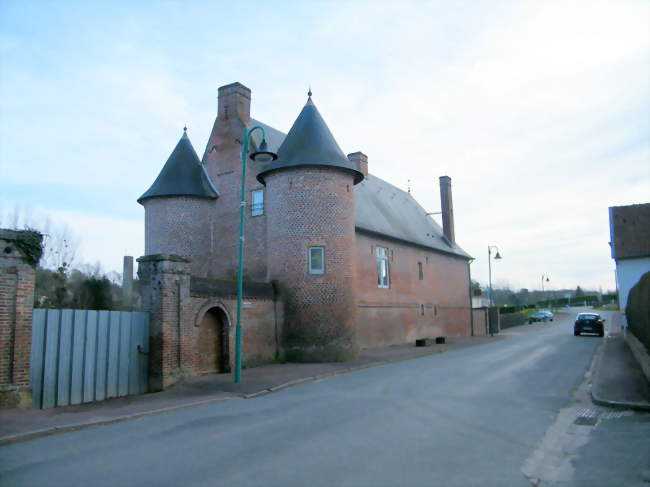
[496, 257]
[545, 278]
[262, 155]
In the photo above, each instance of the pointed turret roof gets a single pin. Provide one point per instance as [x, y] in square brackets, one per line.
[310, 143]
[182, 175]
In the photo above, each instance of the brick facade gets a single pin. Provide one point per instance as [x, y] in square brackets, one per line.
[314, 207]
[411, 308]
[307, 316]
[16, 305]
[222, 161]
[178, 305]
[181, 226]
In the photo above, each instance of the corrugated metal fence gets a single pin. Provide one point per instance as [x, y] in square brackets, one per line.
[83, 356]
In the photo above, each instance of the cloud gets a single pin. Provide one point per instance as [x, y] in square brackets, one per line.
[537, 110]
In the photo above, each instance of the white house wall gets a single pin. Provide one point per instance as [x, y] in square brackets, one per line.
[628, 273]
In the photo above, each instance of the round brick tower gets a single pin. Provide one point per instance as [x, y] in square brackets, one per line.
[177, 209]
[311, 240]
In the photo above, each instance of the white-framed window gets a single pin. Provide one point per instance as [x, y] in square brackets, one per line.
[257, 202]
[383, 272]
[316, 260]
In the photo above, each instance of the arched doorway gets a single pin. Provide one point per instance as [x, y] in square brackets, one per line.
[213, 342]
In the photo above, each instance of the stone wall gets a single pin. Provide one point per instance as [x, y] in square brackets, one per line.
[411, 308]
[17, 278]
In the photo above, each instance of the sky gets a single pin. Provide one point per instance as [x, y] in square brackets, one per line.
[539, 111]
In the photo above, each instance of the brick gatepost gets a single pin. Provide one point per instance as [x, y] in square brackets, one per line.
[17, 278]
[314, 206]
[165, 290]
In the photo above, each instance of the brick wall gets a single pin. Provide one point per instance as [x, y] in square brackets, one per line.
[181, 226]
[222, 161]
[437, 305]
[16, 305]
[311, 206]
[164, 287]
[177, 304]
[260, 328]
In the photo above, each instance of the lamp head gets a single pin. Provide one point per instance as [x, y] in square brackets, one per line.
[263, 154]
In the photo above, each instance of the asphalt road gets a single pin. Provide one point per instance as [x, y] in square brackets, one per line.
[501, 414]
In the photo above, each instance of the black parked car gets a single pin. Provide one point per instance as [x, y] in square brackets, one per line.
[589, 323]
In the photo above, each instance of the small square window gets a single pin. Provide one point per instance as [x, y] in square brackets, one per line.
[317, 260]
[257, 202]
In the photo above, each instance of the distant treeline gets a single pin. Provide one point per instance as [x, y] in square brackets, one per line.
[590, 300]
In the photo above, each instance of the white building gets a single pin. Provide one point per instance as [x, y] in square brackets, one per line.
[629, 228]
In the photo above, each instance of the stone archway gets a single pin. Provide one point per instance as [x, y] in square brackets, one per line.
[213, 346]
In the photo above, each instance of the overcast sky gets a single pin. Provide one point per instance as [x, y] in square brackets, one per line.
[538, 111]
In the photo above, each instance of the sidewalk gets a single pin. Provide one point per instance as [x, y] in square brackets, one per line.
[618, 379]
[24, 424]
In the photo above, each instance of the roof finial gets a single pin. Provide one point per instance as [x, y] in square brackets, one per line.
[309, 92]
[185, 128]
[408, 185]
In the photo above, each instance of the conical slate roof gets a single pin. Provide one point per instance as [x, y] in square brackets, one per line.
[310, 143]
[182, 175]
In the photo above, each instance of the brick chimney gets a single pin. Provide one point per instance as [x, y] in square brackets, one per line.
[447, 207]
[234, 101]
[361, 160]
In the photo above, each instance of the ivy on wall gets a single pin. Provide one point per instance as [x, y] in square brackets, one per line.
[30, 244]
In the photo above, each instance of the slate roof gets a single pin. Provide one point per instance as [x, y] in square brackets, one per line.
[182, 175]
[387, 210]
[382, 208]
[310, 143]
[630, 231]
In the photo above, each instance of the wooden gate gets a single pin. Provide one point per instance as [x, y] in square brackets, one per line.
[83, 356]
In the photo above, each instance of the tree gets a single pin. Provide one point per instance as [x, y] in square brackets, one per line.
[476, 288]
[578, 293]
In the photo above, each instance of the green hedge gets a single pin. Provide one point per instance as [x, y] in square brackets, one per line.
[512, 319]
[637, 310]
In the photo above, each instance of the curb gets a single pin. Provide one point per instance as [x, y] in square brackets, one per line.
[596, 399]
[31, 435]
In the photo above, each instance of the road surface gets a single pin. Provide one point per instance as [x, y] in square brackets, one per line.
[510, 413]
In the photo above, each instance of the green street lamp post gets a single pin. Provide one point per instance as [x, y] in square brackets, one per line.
[545, 278]
[262, 155]
[496, 257]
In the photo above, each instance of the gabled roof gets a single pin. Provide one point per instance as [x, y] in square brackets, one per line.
[381, 208]
[310, 143]
[629, 228]
[182, 175]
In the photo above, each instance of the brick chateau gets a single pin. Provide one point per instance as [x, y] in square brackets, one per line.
[336, 259]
